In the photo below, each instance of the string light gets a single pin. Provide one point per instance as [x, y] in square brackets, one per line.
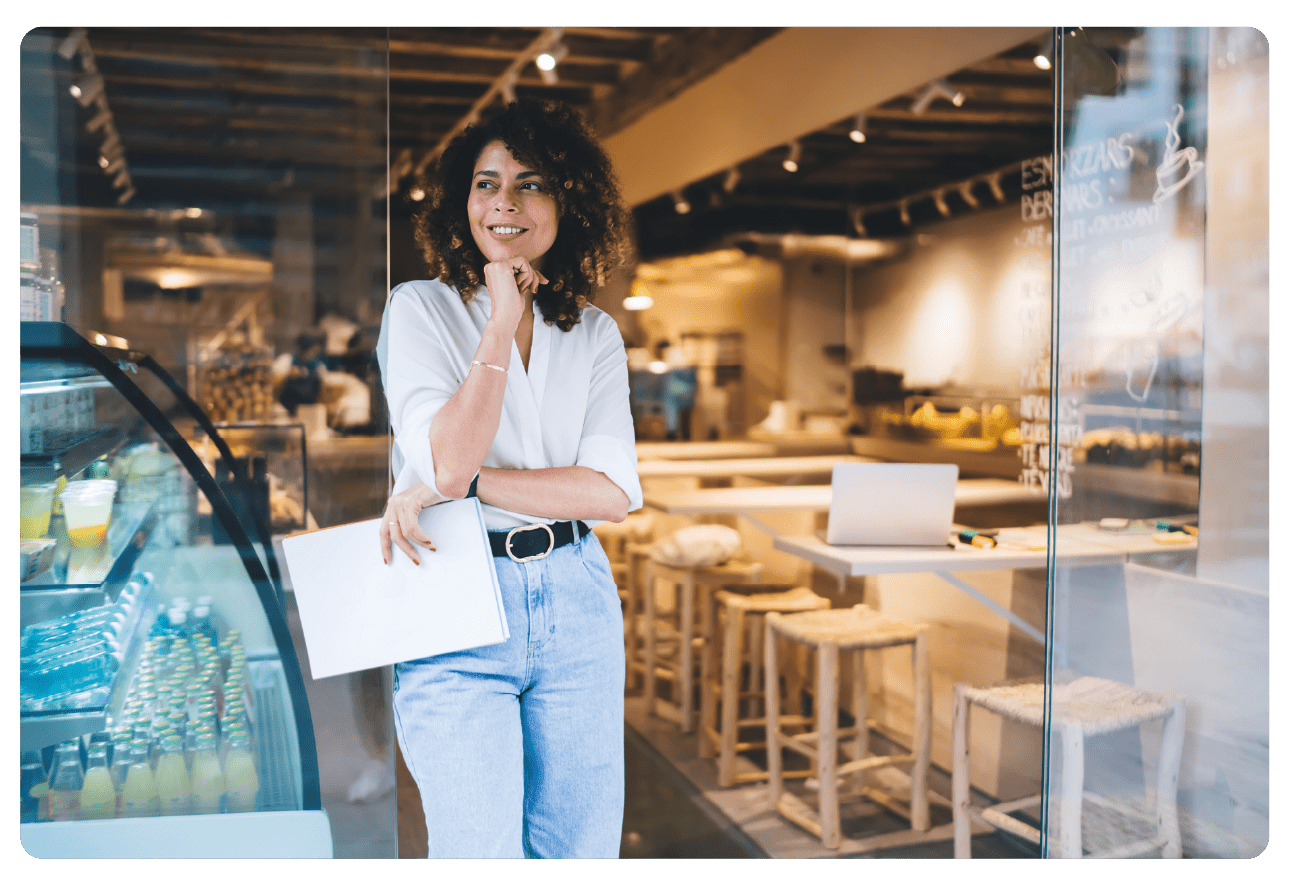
[680, 205]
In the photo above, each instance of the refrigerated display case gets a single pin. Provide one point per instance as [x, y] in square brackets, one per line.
[115, 573]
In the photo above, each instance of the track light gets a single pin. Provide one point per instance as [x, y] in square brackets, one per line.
[940, 202]
[126, 196]
[87, 89]
[101, 120]
[71, 43]
[730, 180]
[858, 132]
[996, 191]
[112, 166]
[680, 205]
[122, 180]
[1044, 55]
[966, 193]
[508, 90]
[858, 222]
[417, 194]
[791, 162]
[936, 89]
[547, 61]
[904, 213]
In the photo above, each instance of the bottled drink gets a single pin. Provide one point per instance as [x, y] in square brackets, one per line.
[98, 795]
[65, 784]
[241, 782]
[208, 780]
[174, 790]
[139, 795]
[120, 765]
[201, 624]
[33, 775]
[161, 624]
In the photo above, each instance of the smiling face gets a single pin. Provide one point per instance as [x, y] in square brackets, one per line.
[511, 208]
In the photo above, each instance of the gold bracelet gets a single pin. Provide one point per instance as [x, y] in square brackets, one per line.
[490, 366]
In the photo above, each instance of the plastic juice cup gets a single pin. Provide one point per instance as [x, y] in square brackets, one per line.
[88, 512]
[36, 503]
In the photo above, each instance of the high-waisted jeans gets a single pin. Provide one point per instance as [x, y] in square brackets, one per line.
[518, 748]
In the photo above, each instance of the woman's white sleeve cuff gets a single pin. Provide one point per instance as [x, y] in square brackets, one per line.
[415, 446]
[608, 454]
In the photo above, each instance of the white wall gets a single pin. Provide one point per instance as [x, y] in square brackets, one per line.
[968, 307]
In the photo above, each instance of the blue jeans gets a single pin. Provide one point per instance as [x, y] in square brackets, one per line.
[518, 748]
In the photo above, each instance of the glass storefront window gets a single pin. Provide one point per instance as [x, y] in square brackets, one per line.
[1158, 689]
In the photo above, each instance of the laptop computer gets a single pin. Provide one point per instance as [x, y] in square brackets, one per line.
[889, 503]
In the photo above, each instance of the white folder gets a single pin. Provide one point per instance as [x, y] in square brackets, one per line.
[358, 612]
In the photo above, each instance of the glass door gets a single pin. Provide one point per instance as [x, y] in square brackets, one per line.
[1158, 655]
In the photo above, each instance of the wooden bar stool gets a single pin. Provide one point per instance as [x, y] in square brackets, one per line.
[741, 615]
[1085, 707]
[671, 640]
[635, 556]
[829, 631]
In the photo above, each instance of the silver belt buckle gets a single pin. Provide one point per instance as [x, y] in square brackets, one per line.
[551, 542]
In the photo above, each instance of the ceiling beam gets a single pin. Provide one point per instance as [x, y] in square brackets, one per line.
[790, 84]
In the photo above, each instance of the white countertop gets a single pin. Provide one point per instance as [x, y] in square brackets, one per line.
[767, 466]
[702, 449]
[767, 499]
[1079, 544]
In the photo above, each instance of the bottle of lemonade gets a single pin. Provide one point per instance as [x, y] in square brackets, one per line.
[139, 795]
[98, 795]
[208, 780]
[241, 782]
[120, 767]
[174, 791]
[65, 782]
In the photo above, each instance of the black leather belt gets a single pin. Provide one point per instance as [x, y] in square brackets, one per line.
[536, 541]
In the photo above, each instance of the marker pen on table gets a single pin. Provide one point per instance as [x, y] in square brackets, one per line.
[975, 538]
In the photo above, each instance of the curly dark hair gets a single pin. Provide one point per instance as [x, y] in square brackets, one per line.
[592, 233]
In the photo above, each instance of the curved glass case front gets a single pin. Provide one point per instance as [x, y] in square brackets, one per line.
[146, 605]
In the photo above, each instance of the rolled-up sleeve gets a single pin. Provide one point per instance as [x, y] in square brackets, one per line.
[608, 443]
[419, 379]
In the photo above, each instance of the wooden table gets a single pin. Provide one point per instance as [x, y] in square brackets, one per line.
[767, 466]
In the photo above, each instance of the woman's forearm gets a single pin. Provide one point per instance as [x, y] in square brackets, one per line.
[570, 493]
[463, 431]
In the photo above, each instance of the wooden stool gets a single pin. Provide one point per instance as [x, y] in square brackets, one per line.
[635, 556]
[671, 644]
[830, 631]
[1084, 707]
[736, 611]
[616, 537]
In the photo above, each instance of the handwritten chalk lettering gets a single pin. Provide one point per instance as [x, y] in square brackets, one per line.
[1036, 207]
[1072, 229]
[1034, 236]
[1037, 173]
[1032, 478]
[1130, 218]
[1034, 406]
[1072, 256]
[1069, 434]
[1068, 409]
[1111, 154]
[1063, 484]
[1082, 196]
[1072, 375]
[1034, 432]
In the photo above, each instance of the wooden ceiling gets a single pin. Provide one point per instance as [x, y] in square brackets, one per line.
[235, 121]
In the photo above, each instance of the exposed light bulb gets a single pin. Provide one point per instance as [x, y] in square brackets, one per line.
[858, 133]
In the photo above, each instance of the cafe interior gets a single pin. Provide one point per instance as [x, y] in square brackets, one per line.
[929, 333]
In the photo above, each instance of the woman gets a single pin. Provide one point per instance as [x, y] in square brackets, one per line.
[503, 381]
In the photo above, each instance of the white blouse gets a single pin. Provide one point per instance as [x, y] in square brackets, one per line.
[570, 408]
